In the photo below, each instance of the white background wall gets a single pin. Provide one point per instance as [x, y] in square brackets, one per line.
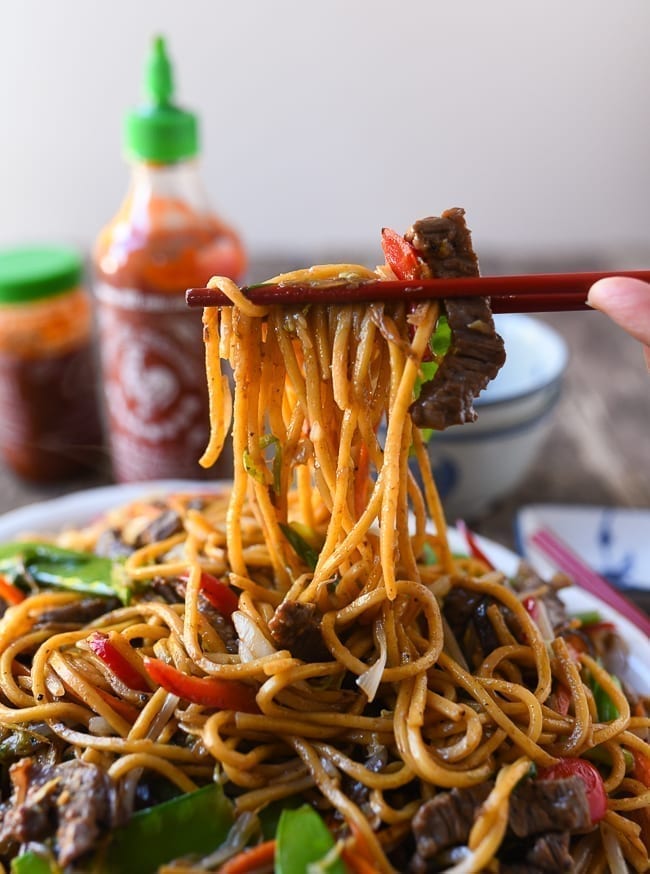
[323, 121]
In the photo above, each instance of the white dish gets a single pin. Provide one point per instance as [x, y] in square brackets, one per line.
[79, 508]
[536, 357]
[477, 464]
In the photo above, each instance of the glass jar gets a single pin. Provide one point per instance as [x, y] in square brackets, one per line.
[50, 427]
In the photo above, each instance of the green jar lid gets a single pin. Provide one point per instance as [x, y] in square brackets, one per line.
[159, 130]
[31, 272]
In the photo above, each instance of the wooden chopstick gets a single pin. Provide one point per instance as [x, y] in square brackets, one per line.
[536, 292]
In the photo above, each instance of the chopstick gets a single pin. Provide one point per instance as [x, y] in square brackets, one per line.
[537, 292]
[563, 557]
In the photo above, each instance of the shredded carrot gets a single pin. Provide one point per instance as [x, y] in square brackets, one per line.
[358, 864]
[358, 857]
[9, 592]
[562, 698]
[250, 860]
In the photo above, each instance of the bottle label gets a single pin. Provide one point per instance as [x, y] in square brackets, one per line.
[155, 385]
[49, 418]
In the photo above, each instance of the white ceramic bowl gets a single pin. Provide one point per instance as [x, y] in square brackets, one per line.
[476, 464]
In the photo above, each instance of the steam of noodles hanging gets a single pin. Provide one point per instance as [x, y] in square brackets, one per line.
[309, 634]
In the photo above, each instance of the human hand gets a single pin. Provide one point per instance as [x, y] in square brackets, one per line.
[627, 302]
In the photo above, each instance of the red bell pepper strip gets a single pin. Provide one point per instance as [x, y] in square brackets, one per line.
[562, 699]
[590, 776]
[641, 770]
[400, 255]
[208, 691]
[105, 649]
[219, 594]
[122, 708]
[472, 544]
[10, 593]
[530, 606]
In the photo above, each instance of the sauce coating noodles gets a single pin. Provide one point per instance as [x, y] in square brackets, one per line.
[358, 691]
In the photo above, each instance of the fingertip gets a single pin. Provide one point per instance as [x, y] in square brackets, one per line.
[626, 301]
[607, 291]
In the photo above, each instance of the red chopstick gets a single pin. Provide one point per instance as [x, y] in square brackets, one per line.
[537, 292]
[563, 557]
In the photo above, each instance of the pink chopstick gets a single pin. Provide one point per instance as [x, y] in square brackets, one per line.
[536, 292]
[563, 557]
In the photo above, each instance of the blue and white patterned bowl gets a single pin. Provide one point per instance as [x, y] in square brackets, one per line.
[477, 464]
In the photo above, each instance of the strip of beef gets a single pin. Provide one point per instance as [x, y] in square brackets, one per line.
[538, 806]
[160, 528]
[527, 580]
[356, 790]
[459, 606]
[70, 801]
[296, 626]
[447, 819]
[77, 612]
[476, 353]
[466, 613]
[549, 809]
[110, 545]
[550, 852]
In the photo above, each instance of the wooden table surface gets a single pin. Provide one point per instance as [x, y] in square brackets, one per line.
[598, 451]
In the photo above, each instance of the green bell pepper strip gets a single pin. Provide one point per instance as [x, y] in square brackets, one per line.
[589, 617]
[303, 840]
[33, 863]
[52, 566]
[601, 756]
[269, 816]
[300, 546]
[192, 824]
[607, 711]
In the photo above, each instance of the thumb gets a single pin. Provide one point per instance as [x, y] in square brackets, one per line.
[626, 301]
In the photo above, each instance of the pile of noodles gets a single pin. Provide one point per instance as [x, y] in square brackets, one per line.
[323, 442]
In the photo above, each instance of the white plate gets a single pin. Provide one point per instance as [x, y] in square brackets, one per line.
[80, 508]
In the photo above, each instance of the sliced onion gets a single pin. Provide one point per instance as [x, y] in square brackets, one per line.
[369, 681]
[324, 865]
[451, 645]
[99, 726]
[54, 685]
[543, 622]
[252, 643]
[245, 827]
[160, 720]
[613, 851]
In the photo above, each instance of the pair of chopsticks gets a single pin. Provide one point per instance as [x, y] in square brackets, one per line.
[528, 293]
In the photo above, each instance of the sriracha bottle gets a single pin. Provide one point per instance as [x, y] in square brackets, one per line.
[163, 240]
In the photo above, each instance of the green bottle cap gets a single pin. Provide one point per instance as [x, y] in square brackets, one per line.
[158, 130]
[28, 273]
